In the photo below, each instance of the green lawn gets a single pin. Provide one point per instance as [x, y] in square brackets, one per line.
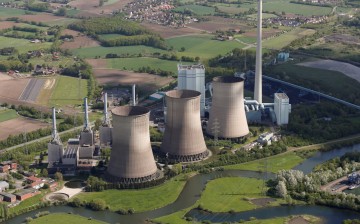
[202, 46]
[92, 52]
[110, 36]
[135, 63]
[7, 114]
[246, 39]
[62, 218]
[66, 91]
[285, 39]
[28, 202]
[139, 200]
[231, 193]
[274, 163]
[22, 45]
[197, 9]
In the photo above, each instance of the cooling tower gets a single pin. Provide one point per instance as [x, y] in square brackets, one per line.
[227, 114]
[131, 160]
[183, 138]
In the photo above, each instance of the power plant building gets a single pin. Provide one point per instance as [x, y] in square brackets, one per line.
[227, 114]
[183, 138]
[131, 160]
[282, 108]
[105, 128]
[55, 146]
[192, 77]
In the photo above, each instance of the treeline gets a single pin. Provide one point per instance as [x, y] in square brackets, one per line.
[8, 51]
[134, 33]
[147, 69]
[353, 22]
[343, 161]
[238, 59]
[15, 64]
[39, 7]
[18, 20]
[26, 29]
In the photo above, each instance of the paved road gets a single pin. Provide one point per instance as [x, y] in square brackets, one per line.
[32, 90]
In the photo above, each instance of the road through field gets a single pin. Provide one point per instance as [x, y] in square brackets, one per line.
[32, 90]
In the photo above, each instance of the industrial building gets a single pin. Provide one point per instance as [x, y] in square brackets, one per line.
[131, 160]
[192, 77]
[55, 146]
[227, 114]
[105, 128]
[183, 138]
[282, 108]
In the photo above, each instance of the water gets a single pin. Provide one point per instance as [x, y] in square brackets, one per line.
[75, 184]
[195, 185]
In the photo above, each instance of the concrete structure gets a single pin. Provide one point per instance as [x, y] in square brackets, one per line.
[7, 197]
[55, 146]
[86, 135]
[183, 138]
[26, 193]
[228, 111]
[105, 128]
[192, 77]
[283, 56]
[132, 160]
[133, 95]
[71, 154]
[265, 138]
[4, 185]
[258, 66]
[282, 108]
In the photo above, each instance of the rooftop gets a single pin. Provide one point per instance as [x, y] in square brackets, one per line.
[71, 151]
[195, 66]
[7, 194]
[25, 191]
[281, 96]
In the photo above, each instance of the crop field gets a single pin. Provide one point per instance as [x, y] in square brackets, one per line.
[7, 114]
[285, 39]
[80, 41]
[133, 64]
[6, 24]
[22, 45]
[19, 125]
[197, 9]
[218, 23]
[202, 46]
[264, 15]
[168, 32]
[110, 36]
[61, 218]
[11, 12]
[92, 52]
[67, 91]
[12, 89]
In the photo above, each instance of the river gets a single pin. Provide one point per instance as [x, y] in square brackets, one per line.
[192, 191]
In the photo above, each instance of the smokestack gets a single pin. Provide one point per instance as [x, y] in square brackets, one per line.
[258, 66]
[86, 116]
[133, 95]
[183, 138]
[106, 115]
[227, 114]
[54, 131]
[131, 160]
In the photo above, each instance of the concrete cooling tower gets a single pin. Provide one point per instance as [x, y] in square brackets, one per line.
[227, 114]
[131, 160]
[183, 138]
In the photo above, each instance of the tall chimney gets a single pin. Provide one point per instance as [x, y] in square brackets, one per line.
[133, 95]
[106, 119]
[86, 117]
[258, 68]
[54, 131]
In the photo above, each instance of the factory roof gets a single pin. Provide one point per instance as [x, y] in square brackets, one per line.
[7, 195]
[281, 96]
[195, 66]
[71, 151]
[25, 191]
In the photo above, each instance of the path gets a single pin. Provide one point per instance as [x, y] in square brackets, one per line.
[69, 191]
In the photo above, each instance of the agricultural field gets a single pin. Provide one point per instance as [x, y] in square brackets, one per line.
[202, 46]
[215, 23]
[67, 92]
[7, 114]
[168, 32]
[79, 42]
[19, 125]
[285, 39]
[61, 218]
[12, 89]
[139, 200]
[10, 12]
[22, 45]
[92, 52]
[196, 9]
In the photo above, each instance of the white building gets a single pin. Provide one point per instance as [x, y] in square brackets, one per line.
[192, 77]
[282, 108]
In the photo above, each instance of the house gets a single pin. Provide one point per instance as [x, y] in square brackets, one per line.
[4, 185]
[26, 193]
[35, 182]
[8, 197]
[4, 168]
[12, 165]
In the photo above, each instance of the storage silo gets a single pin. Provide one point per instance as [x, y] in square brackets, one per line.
[227, 114]
[131, 160]
[183, 138]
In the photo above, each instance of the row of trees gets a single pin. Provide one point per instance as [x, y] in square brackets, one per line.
[143, 39]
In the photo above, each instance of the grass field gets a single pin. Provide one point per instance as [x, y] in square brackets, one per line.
[110, 36]
[231, 193]
[7, 114]
[66, 91]
[22, 45]
[285, 39]
[202, 46]
[274, 163]
[135, 63]
[92, 52]
[139, 200]
[28, 202]
[197, 9]
[10, 12]
[61, 218]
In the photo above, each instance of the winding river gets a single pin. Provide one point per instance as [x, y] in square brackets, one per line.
[195, 185]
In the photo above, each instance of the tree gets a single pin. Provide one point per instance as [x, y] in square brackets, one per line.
[44, 173]
[281, 190]
[61, 12]
[58, 176]
[97, 204]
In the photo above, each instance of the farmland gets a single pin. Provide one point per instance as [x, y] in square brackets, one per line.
[7, 114]
[67, 91]
[22, 45]
[19, 125]
[196, 9]
[285, 39]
